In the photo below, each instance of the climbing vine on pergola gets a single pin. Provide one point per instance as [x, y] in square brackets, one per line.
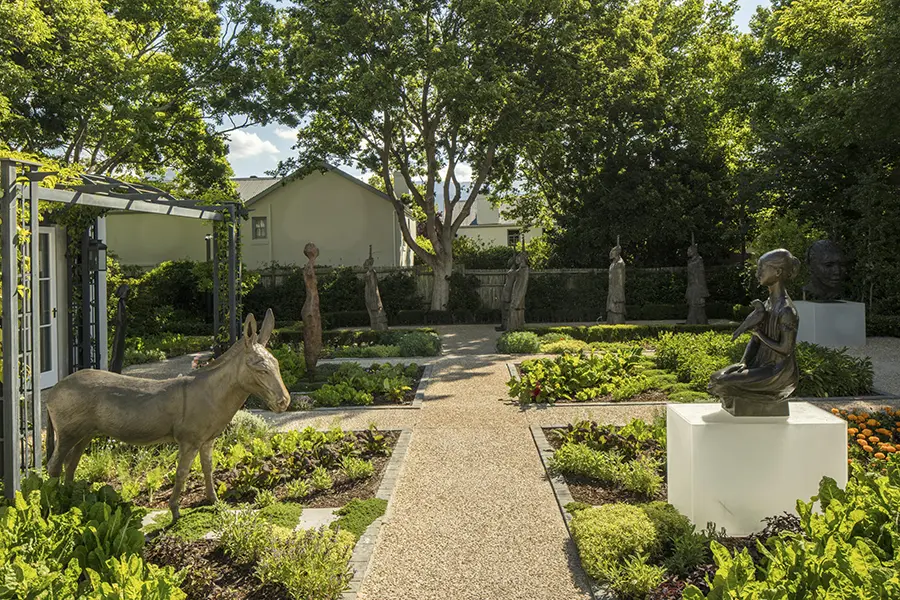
[81, 206]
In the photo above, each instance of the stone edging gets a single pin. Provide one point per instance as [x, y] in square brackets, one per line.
[563, 497]
[362, 552]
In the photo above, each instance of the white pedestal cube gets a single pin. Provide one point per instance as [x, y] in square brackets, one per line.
[735, 471]
[832, 324]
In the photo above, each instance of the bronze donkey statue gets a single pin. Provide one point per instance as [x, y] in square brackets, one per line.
[191, 410]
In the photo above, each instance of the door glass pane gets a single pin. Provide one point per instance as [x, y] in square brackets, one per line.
[44, 249]
[46, 350]
[46, 305]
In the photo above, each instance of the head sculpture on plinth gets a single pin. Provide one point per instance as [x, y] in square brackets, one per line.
[826, 272]
[760, 384]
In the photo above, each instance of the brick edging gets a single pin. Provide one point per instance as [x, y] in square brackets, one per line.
[563, 496]
[362, 552]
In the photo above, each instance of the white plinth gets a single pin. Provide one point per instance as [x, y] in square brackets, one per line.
[832, 324]
[735, 471]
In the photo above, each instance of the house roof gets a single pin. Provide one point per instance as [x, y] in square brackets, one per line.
[254, 189]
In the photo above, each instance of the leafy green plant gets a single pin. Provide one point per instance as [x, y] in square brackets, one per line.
[632, 578]
[193, 524]
[131, 577]
[420, 343]
[356, 516]
[518, 342]
[670, 525]
[265, 498]
[573, 376]
[244, 535]
[341, 393]
[606, 535]
[290, 363]
[640, 475]
[299, 488]
[826, 372]
[564, 346]
[312, 564]
[282, 514]
[320, 480]
[357, 468]
[688, 551]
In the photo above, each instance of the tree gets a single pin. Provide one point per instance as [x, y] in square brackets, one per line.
[643, 152]
[420, 87]
[132, 86]
[819, 84]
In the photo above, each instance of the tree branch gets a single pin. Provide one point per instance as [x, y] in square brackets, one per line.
[483, 171]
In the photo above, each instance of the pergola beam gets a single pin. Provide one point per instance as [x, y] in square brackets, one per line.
[132, 205]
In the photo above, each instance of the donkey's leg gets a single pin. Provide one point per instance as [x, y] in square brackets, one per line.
[186, 456]
[206, 463]
[74, 457]
[64, 444]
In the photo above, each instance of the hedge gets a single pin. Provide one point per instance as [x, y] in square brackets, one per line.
[883, 325]
[625, 333]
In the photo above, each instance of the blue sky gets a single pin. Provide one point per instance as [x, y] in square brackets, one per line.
[255, 150]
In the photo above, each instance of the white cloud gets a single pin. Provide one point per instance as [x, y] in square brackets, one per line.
[463, 172]
[244, 144]
[286, 133]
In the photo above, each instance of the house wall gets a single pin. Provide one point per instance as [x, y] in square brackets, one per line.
[495, 235]
[341, 217]
[147, 240]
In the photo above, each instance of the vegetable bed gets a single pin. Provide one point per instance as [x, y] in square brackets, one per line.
[641, 548]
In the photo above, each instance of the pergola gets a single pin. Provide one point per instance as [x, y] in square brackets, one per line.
[20, 404]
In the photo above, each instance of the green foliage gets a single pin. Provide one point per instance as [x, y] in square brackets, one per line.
[607, 535]
[420, 343]
[131, 577]
[626, 333]
[354, 385]
[463, 292]
[564, 346]
[154, 348]
[193, 524]
[574, 507]
[298, 489]
[320, 480]
[670, 525]
[633, 578]
[518, 342]
[849, 550]
[476, 254]
[632, 440]
[640, 475]
[828, 372]
[282, 514]
[688, 551]
[695, 357]
[356, 516]
[243, 427]
[244, 535]
[341, 393]
[357, 468]
[290, 363]
[376, 351]
[774, 230]
[574, 377]
[312, 564]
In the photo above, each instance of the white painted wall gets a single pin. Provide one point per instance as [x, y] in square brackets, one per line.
[495, 235]
[147, 240]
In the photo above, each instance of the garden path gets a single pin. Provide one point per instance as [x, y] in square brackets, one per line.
[473, 516]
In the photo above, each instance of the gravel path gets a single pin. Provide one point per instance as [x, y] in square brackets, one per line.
[885, 355]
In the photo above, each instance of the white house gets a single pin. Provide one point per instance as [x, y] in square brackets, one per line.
[485, 223]
[342, 215]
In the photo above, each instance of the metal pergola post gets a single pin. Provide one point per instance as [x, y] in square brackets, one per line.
[21, 353]
[233, 319]
[216, 286]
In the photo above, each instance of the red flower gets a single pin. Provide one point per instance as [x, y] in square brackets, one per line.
[536, 391]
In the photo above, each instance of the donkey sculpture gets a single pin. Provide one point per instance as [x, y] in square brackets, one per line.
[191, 410]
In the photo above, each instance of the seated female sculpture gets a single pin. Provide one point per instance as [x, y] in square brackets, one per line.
[760, 384]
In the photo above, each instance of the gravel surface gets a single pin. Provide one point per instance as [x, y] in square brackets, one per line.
[473, 516]
[885, 355]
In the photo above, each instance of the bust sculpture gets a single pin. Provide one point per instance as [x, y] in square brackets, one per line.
[826, 272]
[697, 292]
[377, 316]
[312, 319]
[760, 384]
[615, 297]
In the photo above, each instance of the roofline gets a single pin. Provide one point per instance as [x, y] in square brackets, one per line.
[328, 168]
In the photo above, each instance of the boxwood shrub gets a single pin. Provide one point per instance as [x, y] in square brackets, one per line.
[518, 342]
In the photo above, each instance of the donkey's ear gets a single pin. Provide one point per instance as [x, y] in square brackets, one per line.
[250, 330]
[268, 325]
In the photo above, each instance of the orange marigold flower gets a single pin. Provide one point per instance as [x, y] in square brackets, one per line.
[863, 416]
[883, 431]
[872, 423]
[874, 439]
[867, 432]
[879, 455]
[851, 417]
[861, 441]
[852, 431]
[890, 449]
[867, 448]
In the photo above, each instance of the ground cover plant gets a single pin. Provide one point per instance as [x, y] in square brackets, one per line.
[642, 549]
[156, 347]
[251, 462]
[674, 367]
[385, 383]
[365, 343]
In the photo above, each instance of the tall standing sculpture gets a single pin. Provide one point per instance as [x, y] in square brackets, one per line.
[515, 318]
[826, 272]
[312, 319]
[760, 384]
[697, 292]
[615, 298]
[118, 353]
[377, 316]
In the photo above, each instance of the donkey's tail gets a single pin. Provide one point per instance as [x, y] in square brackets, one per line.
[51, 438]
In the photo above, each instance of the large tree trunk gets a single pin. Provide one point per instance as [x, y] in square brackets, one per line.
[440, 295]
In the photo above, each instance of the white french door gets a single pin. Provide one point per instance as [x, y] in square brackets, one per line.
[48, 308]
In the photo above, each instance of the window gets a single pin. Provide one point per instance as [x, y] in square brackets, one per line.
[260, 228]
[513, 237]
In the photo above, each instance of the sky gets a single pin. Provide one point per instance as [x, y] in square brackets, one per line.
[255, 150]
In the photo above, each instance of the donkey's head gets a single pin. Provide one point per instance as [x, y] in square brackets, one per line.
[258, 370]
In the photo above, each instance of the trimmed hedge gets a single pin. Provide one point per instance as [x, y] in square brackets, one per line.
[883, 325]
[625, 333]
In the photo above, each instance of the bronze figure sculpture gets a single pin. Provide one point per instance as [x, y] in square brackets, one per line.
[377, 316]
[826, 272]
[760, 384]
[312, 318]
[513, 300]
[697, 292]
[615, 297]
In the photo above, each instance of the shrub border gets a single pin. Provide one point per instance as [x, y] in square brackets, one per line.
[563, 497]
[514, 372]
